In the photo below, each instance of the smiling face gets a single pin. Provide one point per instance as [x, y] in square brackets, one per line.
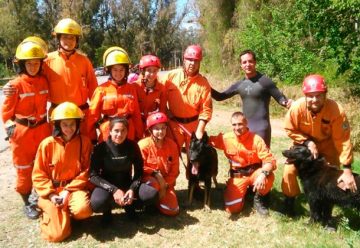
[192, 67]
[239, 125]
[248, 65]
[68, 41]
[32, 66]
[68, 128]
[315, 101]
[159, 131]
[150, 75]
[118, 133]
[118, 72]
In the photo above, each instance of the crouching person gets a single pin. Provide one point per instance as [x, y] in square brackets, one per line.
[60, 174]
[116, 170]
[251, 165]
[161, 163]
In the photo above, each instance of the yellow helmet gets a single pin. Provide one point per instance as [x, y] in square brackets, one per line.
[29, 50]
[115, 55]
[67, 26]
[66, 110]
[38, 41]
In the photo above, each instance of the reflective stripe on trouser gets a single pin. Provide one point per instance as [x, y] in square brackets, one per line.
[289, 185]
[55, 222]
[105, 130]
[236, 188]
[168, 205]
[24, 144]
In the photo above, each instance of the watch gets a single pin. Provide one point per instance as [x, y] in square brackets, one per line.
[265, 172]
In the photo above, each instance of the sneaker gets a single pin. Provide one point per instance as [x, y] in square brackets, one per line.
[259, 205]
[31, 212]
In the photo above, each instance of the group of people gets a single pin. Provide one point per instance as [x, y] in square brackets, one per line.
[120, 142]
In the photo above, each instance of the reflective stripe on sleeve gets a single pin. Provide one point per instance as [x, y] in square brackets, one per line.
[26, 95]
[22, 167]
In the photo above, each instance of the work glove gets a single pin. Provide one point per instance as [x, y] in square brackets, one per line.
[9, 129]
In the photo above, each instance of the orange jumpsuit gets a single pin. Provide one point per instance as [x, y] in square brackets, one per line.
[70, 79]
[62, 166]
[112, 100]
[166, 161]
[244, 151]
[27, 108]
[189, 100]
[152, 100]
[330, 131]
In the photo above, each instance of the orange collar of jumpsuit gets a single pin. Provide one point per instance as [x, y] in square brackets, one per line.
[242, 138]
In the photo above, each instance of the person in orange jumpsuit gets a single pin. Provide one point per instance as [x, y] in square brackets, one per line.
[70, 74]
[151, 93]
[251, 165]
[320, 124]
[115, 98]
[188, 98]
[24, 116]
[161, 163]
[61, 173]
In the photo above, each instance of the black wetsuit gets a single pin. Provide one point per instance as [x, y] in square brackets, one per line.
[111, 169]
[255, 94]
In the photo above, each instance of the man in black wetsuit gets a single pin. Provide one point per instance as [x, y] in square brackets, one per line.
[255, 91]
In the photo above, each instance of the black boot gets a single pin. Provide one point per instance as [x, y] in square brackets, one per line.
[107, 218]
[29, 209]
[259, 205]
[289, 206]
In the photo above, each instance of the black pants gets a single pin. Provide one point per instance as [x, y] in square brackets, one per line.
[102, 200]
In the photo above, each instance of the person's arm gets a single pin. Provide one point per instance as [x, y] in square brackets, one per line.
[94, 113]
[229, 92]
[200, 129]
[275, 92]
[96, 167]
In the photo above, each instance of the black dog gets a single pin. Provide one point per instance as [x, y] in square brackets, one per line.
[203, 166]
[320, 184]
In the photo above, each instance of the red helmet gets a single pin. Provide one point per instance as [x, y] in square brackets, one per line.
[314, 83]
[193, 52]
[156, 118]
[149, 60]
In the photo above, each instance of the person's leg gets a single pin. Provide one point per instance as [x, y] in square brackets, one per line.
[168, 205]
[259, 198]
[234, 194]
[79, 205]
[54, 222]
[100, 201]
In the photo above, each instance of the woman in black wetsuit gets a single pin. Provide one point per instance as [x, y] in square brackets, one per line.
[255, 91]
[116, 170]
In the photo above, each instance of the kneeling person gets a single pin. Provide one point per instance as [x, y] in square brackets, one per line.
[161, 163]
[60, 174]
[251, 165]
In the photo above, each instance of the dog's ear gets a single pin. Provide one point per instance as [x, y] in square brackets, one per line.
[205, 138]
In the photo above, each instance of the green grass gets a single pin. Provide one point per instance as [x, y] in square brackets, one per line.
[193, 227]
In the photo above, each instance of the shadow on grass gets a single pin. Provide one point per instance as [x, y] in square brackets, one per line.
[122, 227]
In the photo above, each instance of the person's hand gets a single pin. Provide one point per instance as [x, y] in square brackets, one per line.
[129, 197]
[199, 134]
[56, 200]
[119, 197]
[65, 197]
[347, 181]
[288, 103]
[9, 90]
[259, 183]
[313, 149]
[9, 129]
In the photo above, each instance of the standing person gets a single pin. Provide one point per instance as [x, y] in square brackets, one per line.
[151, 92]
[255, 91]
[61, 174]
[115, 98]
[320, 124]
[188, 97]
[116, 171]
[161, 163]
[251, 164]
[70, 74]
[24, 117]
